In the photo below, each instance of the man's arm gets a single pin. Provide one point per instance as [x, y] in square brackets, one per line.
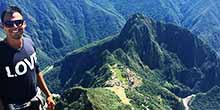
[44, 88]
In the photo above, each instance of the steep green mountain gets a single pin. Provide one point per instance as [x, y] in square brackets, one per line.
[195, 15]
[89, 99]
[207, 101]
[155, 63]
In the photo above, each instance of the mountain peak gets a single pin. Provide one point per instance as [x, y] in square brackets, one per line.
[137, 21]
[140, 30]
[137, 27]
[138, 16]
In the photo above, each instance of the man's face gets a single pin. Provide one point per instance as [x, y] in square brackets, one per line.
[14, 25]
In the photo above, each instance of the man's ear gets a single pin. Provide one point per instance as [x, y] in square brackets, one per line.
[24, 24]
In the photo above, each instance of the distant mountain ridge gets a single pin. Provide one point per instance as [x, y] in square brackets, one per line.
[57, 27]
[203, 20]
[195, 15]
[152, 52]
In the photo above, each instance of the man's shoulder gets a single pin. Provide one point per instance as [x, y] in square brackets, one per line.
[28, 41]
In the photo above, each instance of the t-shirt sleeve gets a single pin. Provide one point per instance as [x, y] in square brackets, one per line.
[37, 67]
[38, 70]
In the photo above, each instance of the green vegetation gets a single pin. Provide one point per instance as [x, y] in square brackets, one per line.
[106, 100]
[53, 80]
[153, 97]
[170, 60]
[146, 59]
[118, 73]
[207, 101]
[95, 43]
[91, 99]
[58, 27]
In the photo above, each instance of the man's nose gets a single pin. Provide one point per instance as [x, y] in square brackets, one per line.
[15, 26]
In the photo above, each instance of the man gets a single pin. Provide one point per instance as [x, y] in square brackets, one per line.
[19, 71]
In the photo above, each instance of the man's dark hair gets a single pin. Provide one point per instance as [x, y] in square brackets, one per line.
[10, 10]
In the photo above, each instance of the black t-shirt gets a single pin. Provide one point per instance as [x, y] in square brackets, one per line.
[18, 70]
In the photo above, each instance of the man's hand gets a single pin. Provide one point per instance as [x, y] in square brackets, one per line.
[50, 103]
[43, 87]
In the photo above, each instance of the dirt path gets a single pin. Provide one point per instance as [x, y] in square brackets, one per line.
[120, 92]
